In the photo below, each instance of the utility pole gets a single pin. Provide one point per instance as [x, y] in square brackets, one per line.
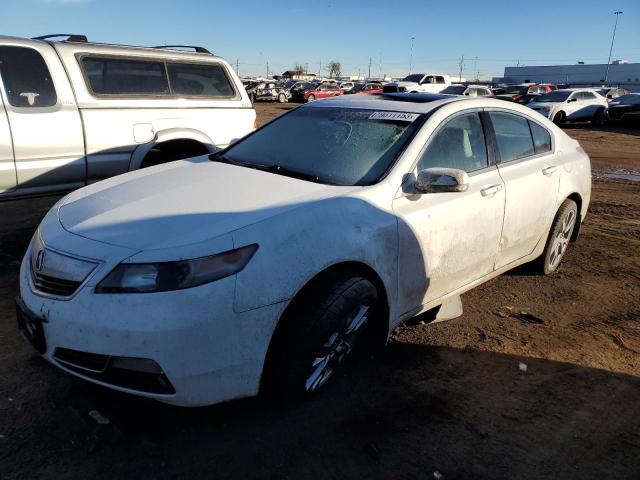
[238, 66]
[320, 69]
[411, 54]
[475, 67]
[615, 26]
[369, 77]
[461, 65]
[267, 69]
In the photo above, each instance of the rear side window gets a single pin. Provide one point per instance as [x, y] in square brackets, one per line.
[116, 76]
[206, 80]
[541, 138]
[512, 135]
[459, 144]
[26, 78]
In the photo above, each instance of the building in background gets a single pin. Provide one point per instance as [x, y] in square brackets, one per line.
[298, 75]
[621, 73]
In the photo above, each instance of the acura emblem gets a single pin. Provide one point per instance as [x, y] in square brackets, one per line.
[40, 260]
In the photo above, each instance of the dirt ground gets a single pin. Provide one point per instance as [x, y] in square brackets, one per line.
[450, 397]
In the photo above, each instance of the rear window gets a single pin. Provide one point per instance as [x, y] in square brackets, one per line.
[26, 78]
[206, 80]
[513, 136]
[115, 76]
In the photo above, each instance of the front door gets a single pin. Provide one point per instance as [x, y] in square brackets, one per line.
[531, 173]
[448, 240]
[48, 142]
[7, 166]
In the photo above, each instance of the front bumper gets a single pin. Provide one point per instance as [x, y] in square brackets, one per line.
[207, 351]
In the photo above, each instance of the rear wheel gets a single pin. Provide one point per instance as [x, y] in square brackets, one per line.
[311, 98]
[559, 237]
[282, 98]
[599, 119]
[559, 118]
[317, 333]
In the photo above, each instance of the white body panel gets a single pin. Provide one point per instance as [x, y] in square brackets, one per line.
[574, 108]
[211, 340]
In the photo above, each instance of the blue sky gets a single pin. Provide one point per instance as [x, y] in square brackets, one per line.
[307, 32]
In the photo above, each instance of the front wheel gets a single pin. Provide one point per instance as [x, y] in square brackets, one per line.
[282, 98]
[319, 331]
[559, 118]
[559, 237]
[599, 119]
[311, 98]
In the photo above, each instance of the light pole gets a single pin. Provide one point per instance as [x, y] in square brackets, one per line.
[411, 54]
[615, 26]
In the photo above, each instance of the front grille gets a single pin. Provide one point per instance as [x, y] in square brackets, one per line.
[54, 286]
[389, 89]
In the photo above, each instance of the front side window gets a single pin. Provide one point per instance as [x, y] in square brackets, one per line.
[512, 136]
[541, 138]
[26, 78]
[117, 76]
[205, 80]
[458, 144]
[341, 146]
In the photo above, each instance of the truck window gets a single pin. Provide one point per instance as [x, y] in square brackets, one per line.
[119, 76]
[439, 79]
[206, 80]
[26, 78]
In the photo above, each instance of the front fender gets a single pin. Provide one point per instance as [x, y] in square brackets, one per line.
[298, 244]
[165, 136]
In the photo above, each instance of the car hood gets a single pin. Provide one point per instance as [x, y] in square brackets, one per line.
[183, 203]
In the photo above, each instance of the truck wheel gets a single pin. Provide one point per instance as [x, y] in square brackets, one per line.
[559, 238]
[282, 98]
[320, 329]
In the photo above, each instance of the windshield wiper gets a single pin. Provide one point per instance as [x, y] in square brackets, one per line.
[287, 172]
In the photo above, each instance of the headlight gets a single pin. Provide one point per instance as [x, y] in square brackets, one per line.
[165, 276]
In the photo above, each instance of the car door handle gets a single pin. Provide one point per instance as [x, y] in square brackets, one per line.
[548, 171]
[491, 190]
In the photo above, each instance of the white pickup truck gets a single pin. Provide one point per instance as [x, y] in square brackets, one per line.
[419, 83]
[74, 112]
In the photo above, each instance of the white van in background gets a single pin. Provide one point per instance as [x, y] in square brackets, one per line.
[74, 112]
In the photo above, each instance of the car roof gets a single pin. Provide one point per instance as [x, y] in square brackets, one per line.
[399, 102]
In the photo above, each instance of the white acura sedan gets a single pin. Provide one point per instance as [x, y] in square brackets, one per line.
[260, 267]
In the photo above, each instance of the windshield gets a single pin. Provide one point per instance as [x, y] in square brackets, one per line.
[556, 96]
[521, 89]
[454, 90]
[336, 146]
[415, 77]
[631, 99]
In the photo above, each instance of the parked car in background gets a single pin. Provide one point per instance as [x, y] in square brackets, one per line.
[613, 92]
[347, 86]
[74, 112]
[369, 87]
[625, 108]
[192, 283]
[268, 92]
[572, 105]
[419, 82]
[524, 93]
[312, 91]
[468, 90]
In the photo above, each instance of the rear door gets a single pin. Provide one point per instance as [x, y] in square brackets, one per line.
[530, 171]
[7, 165]
[48, 142]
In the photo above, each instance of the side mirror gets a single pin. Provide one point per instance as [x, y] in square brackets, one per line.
[437, 180]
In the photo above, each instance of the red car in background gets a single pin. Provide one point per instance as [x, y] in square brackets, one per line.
[369, 88]
[525, 93]
[312, 92]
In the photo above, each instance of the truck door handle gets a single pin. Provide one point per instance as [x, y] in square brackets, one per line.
[491, 190]
[549, 170]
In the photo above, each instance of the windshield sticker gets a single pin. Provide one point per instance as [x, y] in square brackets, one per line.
[402, 116]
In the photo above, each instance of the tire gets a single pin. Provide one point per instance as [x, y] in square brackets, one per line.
[318, 331]
[559, 118]
[559, 238]
[282, 98]
[252, 97]
[599, 119]
[311, 98]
